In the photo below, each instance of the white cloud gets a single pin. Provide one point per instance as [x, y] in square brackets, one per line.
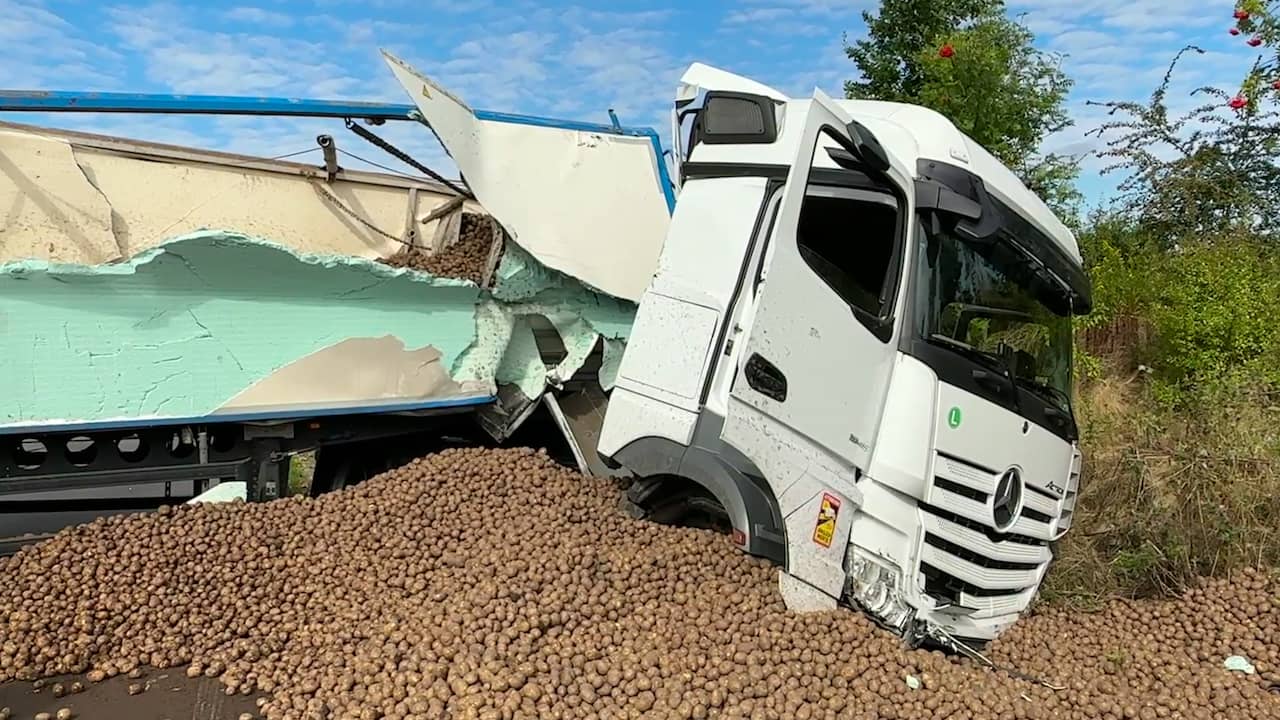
[258, 16]
[42, 48]
[186, 58]
[825, 8]
[758, 14]
[500, 71]
[1077, 40]
[625, 67]
[534, 57]
[584, 18]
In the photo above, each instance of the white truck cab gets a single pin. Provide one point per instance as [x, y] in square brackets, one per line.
[853, 338]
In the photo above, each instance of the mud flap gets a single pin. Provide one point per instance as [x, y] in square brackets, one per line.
[818, 516]
[580, 415]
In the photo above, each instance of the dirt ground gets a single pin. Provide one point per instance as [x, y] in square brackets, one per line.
[168, 695]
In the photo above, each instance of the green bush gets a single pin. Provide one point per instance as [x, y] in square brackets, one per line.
[1215, 313]
[1211, 308]
[1169, 496]
[1182, 463]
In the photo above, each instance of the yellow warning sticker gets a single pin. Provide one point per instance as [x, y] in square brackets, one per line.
[825, 529]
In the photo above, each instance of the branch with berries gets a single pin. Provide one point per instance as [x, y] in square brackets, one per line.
[1196, 170]
[1258, 22]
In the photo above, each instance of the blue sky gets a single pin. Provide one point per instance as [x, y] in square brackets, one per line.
[563, 59]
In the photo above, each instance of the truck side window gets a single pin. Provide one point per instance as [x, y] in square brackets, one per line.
[846, 236]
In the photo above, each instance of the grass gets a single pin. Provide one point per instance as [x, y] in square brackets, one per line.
[301, 468]
[1170, 494]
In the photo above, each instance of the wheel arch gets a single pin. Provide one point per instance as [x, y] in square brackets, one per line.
[750, 505]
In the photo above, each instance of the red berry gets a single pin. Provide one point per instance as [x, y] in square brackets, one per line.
[1234, 31]
[1238, 102]
[1255, 41]
[946, 51]
[1241, 14]
[1276, 84]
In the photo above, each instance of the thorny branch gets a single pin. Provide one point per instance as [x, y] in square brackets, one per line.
[1200, 172]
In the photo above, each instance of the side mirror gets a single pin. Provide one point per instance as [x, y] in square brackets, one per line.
[984, 228]
[961, 194]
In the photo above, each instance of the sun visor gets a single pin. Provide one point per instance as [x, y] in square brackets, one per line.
[592, 201]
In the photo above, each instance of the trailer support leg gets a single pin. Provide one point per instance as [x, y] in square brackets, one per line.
[270, 472]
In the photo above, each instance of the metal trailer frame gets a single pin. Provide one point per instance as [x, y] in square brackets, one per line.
[377, 113]
[254, 449]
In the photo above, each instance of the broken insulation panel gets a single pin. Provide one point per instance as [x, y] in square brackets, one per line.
[219, 323]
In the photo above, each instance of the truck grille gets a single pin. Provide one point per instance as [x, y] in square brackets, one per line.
[965, 561]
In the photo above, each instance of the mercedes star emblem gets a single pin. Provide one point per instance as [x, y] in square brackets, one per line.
[1006, 503]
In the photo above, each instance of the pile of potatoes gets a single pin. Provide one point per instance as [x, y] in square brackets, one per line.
[496, 584]
[465, 259]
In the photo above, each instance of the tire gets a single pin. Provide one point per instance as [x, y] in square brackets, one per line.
[682, 503]
[341, 466]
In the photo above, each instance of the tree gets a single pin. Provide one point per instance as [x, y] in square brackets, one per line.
[1257, 24]
[1201, 174]
[971, 62]
[889, 57]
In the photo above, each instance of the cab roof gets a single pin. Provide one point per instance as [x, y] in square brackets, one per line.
[910, 133]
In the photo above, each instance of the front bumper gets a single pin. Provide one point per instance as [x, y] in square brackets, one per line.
[954, 570]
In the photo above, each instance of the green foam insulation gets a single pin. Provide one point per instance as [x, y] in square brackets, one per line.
[182, 328]
[523, 287]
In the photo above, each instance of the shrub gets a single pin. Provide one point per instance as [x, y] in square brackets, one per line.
[1182, 463]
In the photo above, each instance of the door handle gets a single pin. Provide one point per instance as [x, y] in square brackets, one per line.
[765, 378]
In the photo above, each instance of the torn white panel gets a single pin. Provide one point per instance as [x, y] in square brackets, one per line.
[704, 77]
[588, 204]
[223, 492]
[48, 207]
[579, 341]
[611, 361]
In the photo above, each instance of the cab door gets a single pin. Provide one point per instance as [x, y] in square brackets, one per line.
[811, 382]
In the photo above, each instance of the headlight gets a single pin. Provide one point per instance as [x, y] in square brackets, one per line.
[873, 585]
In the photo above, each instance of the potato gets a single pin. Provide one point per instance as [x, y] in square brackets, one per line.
[465, 259]
[495, 584]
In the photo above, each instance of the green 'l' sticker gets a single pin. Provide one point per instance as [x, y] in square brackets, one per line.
[953, 418]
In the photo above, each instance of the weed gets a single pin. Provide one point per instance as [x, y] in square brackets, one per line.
[301, 468]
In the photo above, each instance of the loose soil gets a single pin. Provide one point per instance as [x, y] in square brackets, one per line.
[168, 695]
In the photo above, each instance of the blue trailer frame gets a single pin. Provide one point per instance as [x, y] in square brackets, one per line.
[60, 101]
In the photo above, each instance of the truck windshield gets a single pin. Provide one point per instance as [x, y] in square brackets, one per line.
[982, 301]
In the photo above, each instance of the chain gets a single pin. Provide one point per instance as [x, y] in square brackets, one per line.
[404, 157]
[324, 193]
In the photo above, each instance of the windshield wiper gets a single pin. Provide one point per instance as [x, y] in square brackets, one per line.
[989, 359]
[1000, 382]
[1065, 414]
[1045, 389]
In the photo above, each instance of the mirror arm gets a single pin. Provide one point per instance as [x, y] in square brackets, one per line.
[933, 195]
[988, 221]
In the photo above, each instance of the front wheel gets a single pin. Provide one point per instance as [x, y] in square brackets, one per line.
[680, 502]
